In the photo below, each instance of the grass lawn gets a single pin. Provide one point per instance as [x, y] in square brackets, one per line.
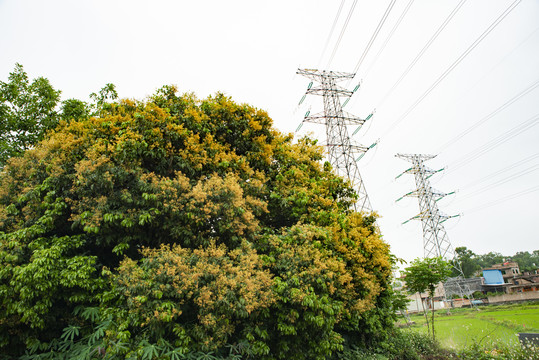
[494, 324]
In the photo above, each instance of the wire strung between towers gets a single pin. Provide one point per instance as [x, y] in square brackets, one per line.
[530, 88]
[466, 94]
[331, 33]
[389, 36]
[501, 171]
[343, 30]
[489, 146]
[422, 51]
[502, 181]
[504, 199]
[454, 64]
[374, 35]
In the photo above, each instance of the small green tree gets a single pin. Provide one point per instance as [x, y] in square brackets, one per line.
[400, 303]
[27, 112]
[468, 262]
[423, 275]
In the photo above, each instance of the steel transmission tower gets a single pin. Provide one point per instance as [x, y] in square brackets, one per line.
[342, 154]
[435, 240]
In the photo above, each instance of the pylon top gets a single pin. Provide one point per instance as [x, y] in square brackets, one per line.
[315, 74]
[411, 157]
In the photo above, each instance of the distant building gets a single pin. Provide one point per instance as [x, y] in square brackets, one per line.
[507, 269]
[506, 277]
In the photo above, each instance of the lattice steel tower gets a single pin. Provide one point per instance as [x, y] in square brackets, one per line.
[435, 239]
[342, 154]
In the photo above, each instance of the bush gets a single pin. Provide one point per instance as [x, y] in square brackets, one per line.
[400, 345]
[409, 345]
[475, 351]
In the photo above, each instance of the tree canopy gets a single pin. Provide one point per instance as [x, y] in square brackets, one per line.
[27, 112]
[177, 226]
[472, 263]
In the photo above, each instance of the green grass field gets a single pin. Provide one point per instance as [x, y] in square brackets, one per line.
[488, 325]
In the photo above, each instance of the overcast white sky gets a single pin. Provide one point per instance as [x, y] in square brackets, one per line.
[250, 50]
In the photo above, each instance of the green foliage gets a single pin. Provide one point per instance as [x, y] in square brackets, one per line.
[423, 275]
[527, 261]
[180, 227]
[467, 260]
[502, 352]
[200, 297]
[472, 263]
[409, 345]
[401, 345]
[400, 301]
[492, 326]
[27, 112]
[75, 109]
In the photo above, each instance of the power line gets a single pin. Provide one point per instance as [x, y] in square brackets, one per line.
[331, 32]
[504, 199]
[530, 88]
[374, 35]
[454, 64]
[343, 30]
[502, 181]
[466, 95]
[517, 130]
[422, 52]
[390, 35]
[501, 171]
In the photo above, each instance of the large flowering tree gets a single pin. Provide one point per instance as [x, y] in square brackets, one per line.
[183, 227]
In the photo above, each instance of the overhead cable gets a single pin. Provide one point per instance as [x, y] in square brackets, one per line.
[530, 88]
[505, 180]
[506, 136]
[504, 199]
[422, 52]
[331, 32]
[389, 36]
[501, 171]
[455, 64]
[374, 35]
[343, 30]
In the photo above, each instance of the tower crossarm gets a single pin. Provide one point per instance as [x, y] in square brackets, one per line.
[447, 217]
[410, 194]
[432, 172]
[423, 192]
[441, 195]
[415, 157]
[417, 170]
[431, 216]
[336, 91]
[346, 118]
[318, 75]
[352, 148]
